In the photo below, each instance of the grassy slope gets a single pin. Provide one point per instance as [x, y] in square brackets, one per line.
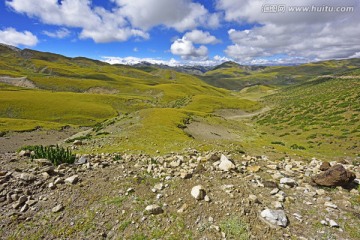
[160, 99]
[235, 77]
[321, 115]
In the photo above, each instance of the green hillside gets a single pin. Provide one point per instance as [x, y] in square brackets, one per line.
[53, 91]
[311, 109]
[235, 77]
[320, 116]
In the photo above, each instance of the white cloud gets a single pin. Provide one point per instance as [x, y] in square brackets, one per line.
[200, 37]
[96, 22]
[172, 62]
[187, 50]
[128, 18]
[301, 35]
[134, 60]
[12, 37]
[179, 14]
[61, 33]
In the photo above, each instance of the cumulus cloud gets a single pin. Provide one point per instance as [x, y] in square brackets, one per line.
[12, 37]
[61, 33]
[96, 23]
[185, 46]
[128, 18]
[299, 35]
[200, 37]
[186, 49]
[179, 14]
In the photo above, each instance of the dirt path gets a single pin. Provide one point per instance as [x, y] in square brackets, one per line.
[18, 82]
[236, 114]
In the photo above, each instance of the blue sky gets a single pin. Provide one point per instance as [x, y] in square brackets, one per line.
[184, 31]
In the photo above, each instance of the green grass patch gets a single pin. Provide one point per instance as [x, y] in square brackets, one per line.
[235, 228]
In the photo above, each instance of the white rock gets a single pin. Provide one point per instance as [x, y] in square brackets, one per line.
[332, 223]
[330, 205]
[57, 208]
[154, 209]
[275, 217]
[198, 192]
[225, 164]
[288, 181]
[253, 198]
[52, 186]
[27, 177]
[58, 181]
[320, 192]
[72, 180]
[207, 198]
[272, 167]
[274, 191]
[323, 222]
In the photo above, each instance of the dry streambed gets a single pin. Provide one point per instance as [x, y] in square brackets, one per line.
[189, 196]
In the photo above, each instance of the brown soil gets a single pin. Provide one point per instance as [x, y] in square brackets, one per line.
[18, 82]
[12, 141]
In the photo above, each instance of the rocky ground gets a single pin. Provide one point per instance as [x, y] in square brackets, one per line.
[189, 196]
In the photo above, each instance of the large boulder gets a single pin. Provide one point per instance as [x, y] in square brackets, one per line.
[335, 176]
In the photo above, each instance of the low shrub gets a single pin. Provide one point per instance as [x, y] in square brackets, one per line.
[56, 154]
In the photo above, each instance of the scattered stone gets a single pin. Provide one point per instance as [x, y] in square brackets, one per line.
[175, 164]
[198, 192]
[24, 208]
[129, 190]
[31, 202]
[325, 166]
[330, 205]
[24, 153]
[22, 199]
[154, 209]
[272, 167]
[185, 175]
[253, 198]
[57, 208]
[72, 180]
[52, 186]
[270, 184]
[43, 162]
[27, 177]
[253, 169]
[275, 217]
[183, 208]
[288, 181]
[207, 198]
[274, 191]
[320, 192]
[82, 160]
[59, 181]
[323, 222]
[335, 176]
[158, 187]
[333, 224]
[77, 143]
[225, 164]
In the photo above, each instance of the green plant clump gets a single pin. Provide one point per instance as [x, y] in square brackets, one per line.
[56, 154]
